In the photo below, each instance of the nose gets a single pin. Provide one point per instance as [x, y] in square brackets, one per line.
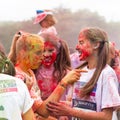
[77, 47]
[46, 54]
[42, 57]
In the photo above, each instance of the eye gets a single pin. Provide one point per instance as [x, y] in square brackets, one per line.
[81, 42]
[51, 50]
[38, 53]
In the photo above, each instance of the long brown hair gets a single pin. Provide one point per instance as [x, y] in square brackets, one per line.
[96, 35]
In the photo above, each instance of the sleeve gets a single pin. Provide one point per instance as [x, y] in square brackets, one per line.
[110, 95]
[20, 76]
[53, 30]
[25, 96]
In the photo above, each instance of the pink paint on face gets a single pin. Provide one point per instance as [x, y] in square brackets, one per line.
[84, 48]
[50, 54]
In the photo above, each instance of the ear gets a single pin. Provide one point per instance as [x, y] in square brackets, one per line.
[96, 45]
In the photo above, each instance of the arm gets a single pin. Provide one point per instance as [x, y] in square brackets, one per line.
[29, 115]
[12, 53]
[60, 109]
[70, 78]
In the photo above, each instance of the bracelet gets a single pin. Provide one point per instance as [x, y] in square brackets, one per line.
[63, 84]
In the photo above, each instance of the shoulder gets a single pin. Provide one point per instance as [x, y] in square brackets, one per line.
[108, 69]
[7, 77]
[53, 30]
[108, 74]
[12, 79]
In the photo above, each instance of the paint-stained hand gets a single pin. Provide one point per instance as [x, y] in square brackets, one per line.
[59, 109]
[72, 76]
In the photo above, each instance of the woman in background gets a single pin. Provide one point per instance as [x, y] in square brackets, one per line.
[114, 62]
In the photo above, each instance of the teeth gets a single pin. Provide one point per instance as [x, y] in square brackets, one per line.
[79, 52]
[47, 59]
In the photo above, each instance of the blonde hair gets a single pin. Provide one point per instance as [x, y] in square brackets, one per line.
[26, 42]
[50, 19]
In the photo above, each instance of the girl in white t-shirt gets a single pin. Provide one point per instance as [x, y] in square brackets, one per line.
[95, 95]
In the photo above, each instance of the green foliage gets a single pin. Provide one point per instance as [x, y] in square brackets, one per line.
[68, 26]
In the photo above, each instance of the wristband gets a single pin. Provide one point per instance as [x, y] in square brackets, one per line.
[63, 84]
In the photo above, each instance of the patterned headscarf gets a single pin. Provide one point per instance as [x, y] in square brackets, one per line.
[6, 65]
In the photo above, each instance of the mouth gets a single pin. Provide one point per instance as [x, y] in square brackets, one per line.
[79, 53]
[48, 59]
[37, 63]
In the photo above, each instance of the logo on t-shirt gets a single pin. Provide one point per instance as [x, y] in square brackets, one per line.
[84, 104]
[7, 86]
[1, 108]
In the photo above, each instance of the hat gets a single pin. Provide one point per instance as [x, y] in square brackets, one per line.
[41, 15]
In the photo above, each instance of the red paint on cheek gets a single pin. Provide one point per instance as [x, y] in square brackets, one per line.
[85, 52]
[84, 55]
[54, 55]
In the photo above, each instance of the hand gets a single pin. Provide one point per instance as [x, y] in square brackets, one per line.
[30, 79]
[59, 109]
[72, 76]
[16, 36]
[63, 118]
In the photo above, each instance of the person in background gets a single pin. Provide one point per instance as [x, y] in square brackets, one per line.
[27, 53]
[95, 94]
[15, 101]
[46, 20]
[114, 62]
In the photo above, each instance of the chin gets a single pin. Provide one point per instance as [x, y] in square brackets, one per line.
[35, 67]
[47, 65]
[82, 59]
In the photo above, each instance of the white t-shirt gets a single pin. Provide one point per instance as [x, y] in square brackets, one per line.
[51, 30]
[104, 95]
[14, 98]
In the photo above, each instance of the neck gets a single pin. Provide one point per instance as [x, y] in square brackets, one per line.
[48, 67]
[22, 67]
[92, 62]
[91, 66]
